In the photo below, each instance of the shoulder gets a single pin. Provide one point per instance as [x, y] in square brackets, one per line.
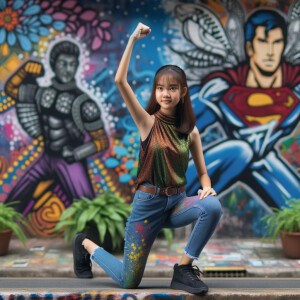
[291, 74]
[234, 76]
[90, 110]
[194, 135]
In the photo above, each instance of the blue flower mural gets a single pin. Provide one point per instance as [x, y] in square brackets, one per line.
[22, 22]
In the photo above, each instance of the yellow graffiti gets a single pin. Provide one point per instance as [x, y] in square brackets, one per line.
[12, 63]
[263, 120]
[6, 102]
[4, 49]
[41, 188]
[290, 101]
[260, 99]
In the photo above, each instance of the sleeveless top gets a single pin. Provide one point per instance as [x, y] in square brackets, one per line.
[163, 161]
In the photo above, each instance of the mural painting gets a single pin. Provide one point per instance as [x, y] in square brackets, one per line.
[61, 113]
[252, 101]
[96, 295]
[65, 133]
[255, 101]
[61, 116]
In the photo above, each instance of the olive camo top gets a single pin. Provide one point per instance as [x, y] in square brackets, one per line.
[164, 159]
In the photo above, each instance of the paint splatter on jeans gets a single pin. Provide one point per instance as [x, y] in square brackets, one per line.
[151, 213]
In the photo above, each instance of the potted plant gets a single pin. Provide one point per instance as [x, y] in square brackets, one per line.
[286, 222]
[10, 221]
[102, 218]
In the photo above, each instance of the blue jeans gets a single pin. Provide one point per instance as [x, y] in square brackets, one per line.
[150, 213]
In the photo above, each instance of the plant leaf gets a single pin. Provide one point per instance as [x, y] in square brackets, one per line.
[116, 217]
[120, 228]
[68, 212]
[82, 220]
[101, 226]
[168, 235]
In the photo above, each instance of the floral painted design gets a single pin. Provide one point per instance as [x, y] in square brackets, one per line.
[85, 23]
[25, 22]
[9, 18]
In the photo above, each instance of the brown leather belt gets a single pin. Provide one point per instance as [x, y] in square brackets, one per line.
[168, 191]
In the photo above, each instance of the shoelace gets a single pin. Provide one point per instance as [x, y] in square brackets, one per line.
[85, 262]
[194, 272]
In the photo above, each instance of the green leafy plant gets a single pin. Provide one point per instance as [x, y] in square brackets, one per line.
[107, 213]
[10, 219]
[286, 219]
[168, 235]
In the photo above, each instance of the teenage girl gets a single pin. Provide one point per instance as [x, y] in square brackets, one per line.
[168, 133]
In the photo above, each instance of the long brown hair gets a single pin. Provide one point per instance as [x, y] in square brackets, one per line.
[185, 117]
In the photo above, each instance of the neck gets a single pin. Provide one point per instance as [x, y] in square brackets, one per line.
[63, 86]
[168, 112]
[258, 78]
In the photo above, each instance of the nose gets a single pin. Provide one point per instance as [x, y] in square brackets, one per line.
[270, 49]
[166, 93]
[69, 68]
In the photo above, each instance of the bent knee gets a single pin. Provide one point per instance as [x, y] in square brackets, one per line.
[214, 206]
[243, 150]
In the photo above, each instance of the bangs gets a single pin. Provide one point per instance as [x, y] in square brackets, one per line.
[170, 76]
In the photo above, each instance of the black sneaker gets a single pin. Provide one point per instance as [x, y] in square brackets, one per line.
[81, 258]
[186, 278]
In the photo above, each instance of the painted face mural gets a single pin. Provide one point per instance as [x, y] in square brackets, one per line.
[265, 52]
[65, 67]
[251, 102]
[61, 113]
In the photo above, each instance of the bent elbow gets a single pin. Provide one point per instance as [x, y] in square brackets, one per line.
[119, 81]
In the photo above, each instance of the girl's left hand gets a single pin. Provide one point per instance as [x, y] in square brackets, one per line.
[140, 31]
[206, 192]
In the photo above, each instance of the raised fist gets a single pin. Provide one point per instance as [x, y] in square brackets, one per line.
[33, 68]
[140, 31]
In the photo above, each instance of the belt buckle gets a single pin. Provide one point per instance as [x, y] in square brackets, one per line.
[166, 191]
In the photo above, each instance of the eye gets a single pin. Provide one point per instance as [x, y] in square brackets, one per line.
[262, 41]
[278, 41]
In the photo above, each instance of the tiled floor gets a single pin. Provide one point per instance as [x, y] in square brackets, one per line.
[223, 256]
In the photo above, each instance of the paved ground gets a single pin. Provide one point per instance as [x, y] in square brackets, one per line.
[104, 288]
[44, 270]
[102, 283]
[221, 257]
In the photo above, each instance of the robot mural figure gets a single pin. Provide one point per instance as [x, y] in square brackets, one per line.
[254, 102]
[63, 115]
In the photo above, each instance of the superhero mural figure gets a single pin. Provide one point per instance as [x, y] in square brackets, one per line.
[254, 103]
[63, 115]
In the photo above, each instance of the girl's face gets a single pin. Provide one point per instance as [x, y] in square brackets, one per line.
[168, 93]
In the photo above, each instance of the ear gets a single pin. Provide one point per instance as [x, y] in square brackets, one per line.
[249, 48]
[184, 91]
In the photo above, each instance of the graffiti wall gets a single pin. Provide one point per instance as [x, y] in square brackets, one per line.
[65, 131]
[109, 295]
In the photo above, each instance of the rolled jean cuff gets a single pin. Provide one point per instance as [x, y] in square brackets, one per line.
[92, 255]
[190, 256]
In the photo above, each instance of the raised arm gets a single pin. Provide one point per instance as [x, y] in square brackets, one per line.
[141, 118]
[198, 157]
